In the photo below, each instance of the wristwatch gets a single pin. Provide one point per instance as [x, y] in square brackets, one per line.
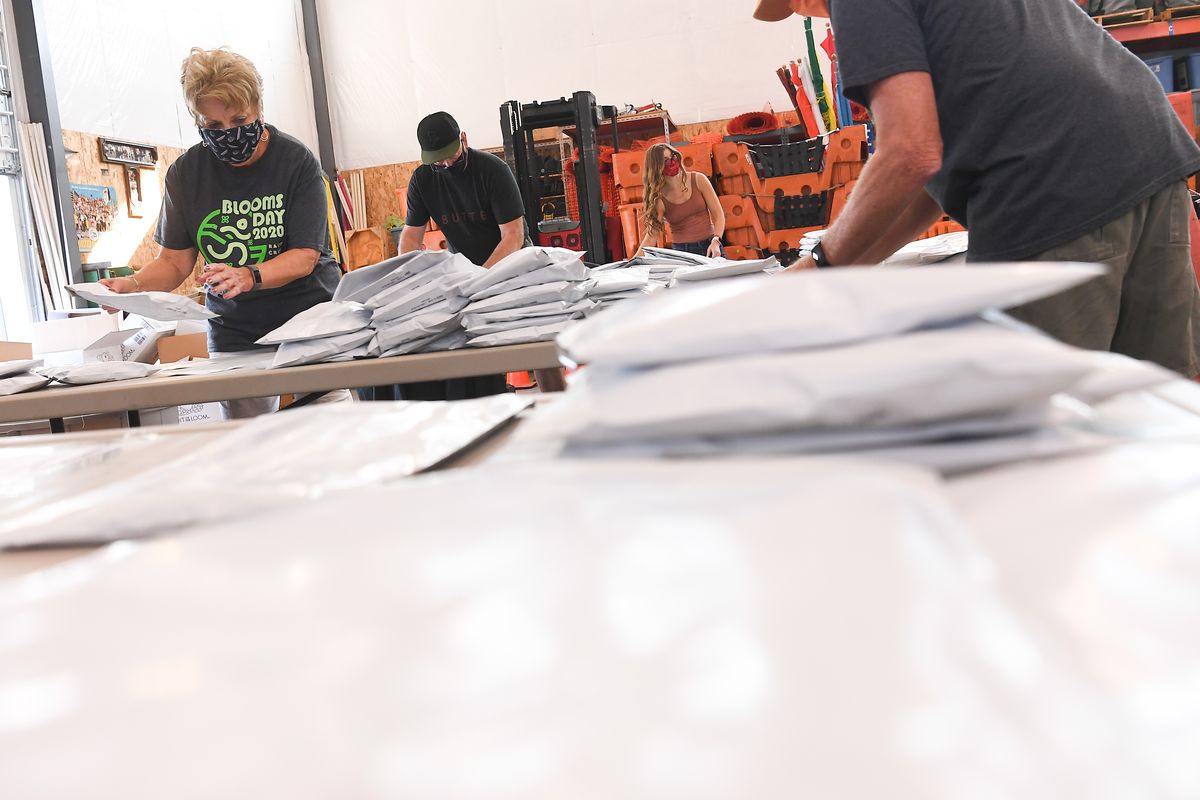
[257, 277]
[819, 258]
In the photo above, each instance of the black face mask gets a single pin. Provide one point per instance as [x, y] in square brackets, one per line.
[458, 167]
[233, 145]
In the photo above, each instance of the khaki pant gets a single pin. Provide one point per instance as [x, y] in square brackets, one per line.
[1148, 305]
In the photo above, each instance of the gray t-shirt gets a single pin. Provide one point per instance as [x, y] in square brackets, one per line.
[249, 215]
[1050, 127]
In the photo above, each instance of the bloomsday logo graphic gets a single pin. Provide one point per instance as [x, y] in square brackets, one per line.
[243, 232]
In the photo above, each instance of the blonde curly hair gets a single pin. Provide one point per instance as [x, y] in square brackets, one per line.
[221, 75]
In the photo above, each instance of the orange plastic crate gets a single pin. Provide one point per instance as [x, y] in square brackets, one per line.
[631, 194]
[788, 239]
[732, 158]
[697, 158]
[841, 195]
[627, 168]
[742, 225]
[735, 185]
[942, 226]
[632, 229]
[768, 190]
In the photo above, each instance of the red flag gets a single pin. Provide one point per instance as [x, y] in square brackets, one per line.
[827, 45]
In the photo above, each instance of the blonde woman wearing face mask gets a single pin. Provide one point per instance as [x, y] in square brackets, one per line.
[250, 200]
[684, 200]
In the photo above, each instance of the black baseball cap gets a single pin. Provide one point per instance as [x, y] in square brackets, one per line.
[438, 136]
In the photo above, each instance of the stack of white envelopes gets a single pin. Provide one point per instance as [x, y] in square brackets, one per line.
[19, 376]
[529, 296]
[617, 283]
[420, 310]
[840, 360]
[336, 329]
[406, 304]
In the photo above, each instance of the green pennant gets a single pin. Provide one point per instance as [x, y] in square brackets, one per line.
[818, 79]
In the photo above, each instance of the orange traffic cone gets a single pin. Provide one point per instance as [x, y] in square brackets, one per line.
[521, 380]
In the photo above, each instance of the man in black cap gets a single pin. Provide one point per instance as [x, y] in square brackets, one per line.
[472, 196]
[475, 200]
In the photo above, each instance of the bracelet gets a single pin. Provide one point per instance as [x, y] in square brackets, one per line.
[137, 284]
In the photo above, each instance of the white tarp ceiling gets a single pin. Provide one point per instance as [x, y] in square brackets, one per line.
[116, 63]
[390, 62]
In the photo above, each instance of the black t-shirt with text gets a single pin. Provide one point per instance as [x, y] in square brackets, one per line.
[247, 216]
[469, 206]
[1050, 127]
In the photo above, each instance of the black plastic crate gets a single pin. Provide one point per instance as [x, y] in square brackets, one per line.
[798, 158]
[801, 211]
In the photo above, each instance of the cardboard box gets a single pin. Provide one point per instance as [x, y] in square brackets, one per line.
[91, 338]
[176, 347]
[89, 422]
[15, 351]
[190, 340]
[191, 414]
[72, 313]
[74, 333]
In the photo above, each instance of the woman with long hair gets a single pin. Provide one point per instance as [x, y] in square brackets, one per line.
[684, 200]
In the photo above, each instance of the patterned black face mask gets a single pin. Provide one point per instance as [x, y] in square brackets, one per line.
[233, 145]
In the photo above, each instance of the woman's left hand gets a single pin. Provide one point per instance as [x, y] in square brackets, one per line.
[226, 281]
[714, 248]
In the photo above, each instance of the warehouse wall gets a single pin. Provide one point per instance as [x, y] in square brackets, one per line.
[116, 63]
[390, 62]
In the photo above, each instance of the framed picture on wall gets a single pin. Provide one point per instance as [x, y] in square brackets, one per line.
[132, 153]
[133, 190]
[95, 213]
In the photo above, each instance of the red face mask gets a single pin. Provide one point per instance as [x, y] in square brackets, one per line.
[672, 167]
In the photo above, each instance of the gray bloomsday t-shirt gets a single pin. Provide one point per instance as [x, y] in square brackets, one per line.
[1050, 127]
[246, 216]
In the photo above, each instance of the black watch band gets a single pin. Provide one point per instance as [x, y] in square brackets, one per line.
[818, 257]
[257, 277]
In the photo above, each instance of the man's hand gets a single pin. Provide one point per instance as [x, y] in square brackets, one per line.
[801, 264]
[226, 281]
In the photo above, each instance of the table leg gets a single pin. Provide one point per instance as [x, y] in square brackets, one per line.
[385, 392]
[135, 418]
[307, 399]
[57, 425]
[550, 380]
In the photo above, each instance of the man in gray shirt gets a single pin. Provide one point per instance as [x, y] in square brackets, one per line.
[1031, 126]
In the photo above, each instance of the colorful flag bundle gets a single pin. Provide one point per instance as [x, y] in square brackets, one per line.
[818, 97]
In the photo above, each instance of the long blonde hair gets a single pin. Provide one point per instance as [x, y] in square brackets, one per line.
[655, 184]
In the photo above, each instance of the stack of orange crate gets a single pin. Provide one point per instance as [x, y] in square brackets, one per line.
[791, 189]
[812, 187]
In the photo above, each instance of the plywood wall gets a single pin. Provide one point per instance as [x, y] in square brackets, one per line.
[131, 240]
